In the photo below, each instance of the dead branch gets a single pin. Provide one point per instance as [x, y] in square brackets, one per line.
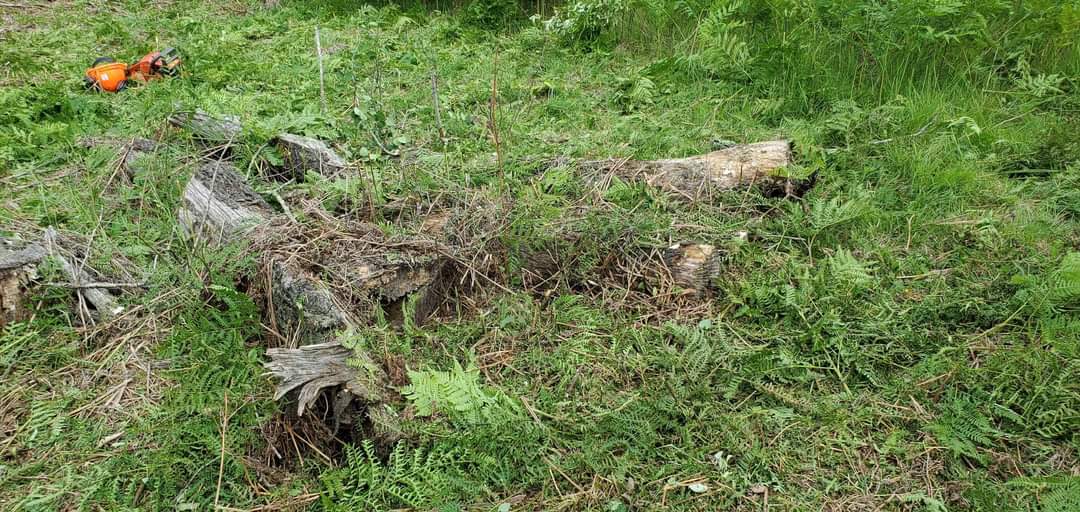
[104, 303]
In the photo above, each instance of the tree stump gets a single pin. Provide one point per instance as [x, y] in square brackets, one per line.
[303, 154]
[211, 130]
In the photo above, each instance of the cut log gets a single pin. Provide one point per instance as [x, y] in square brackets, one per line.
[219, 204]
[303, 154]
[103, 301]
[211, 130]
[18, 268]
[696, 177]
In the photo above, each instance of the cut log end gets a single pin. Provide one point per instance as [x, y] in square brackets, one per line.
[693, 266]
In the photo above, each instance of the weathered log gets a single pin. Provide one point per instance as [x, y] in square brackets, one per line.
[18, 268]
[698, 176]
[103, 301]
[303, 154]
[212, 130]
[218, 204]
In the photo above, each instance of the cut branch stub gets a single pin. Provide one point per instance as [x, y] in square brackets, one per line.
[219, 204]
[303, 154]
[697, 176]
[211, 130]
[18, 267]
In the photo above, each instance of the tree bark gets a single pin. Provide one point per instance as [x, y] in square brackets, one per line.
[696, 177]
[18, 268]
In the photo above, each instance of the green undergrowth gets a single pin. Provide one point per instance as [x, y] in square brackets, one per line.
[904, 336]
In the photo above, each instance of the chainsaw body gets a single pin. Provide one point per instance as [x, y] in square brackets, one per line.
[105, 74]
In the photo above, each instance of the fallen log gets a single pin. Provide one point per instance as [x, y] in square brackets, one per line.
[696, 177]
[303, 154]
[18, 268]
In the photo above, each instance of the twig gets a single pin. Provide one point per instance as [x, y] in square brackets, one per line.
[95, 284]
[322, 86]
[102, 301]
[284, 205]
[435, 103]
[221, 462]
[493, 124]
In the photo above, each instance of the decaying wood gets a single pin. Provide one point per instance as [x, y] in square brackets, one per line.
[18, 268]
[219, 204]
[303, 154]
[212, 130]
[697, 176]
[693, 266]
[103, 301]
[313, 368]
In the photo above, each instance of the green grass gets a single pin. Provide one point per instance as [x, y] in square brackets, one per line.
[904, 337]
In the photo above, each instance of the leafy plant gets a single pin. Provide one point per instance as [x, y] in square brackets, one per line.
[962, 427]
[457, 393]
[410, 477]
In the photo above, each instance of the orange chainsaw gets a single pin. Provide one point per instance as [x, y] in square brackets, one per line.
[105, 74]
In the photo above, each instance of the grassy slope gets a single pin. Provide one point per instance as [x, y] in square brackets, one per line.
[903, 337]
